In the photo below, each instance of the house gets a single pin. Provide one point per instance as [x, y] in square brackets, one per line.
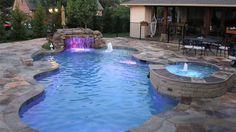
[198, 17]
[29, 6]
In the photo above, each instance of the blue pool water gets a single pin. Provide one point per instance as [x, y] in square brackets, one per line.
[95, 92]
[196, 70]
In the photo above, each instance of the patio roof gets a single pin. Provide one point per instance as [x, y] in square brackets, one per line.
[187, 3]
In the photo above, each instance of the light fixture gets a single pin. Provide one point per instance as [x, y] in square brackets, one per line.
[55, 9]
[50, 10]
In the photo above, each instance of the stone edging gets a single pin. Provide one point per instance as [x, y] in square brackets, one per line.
[173, 85]
[11, 112]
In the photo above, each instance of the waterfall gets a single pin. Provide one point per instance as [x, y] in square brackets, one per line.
[79, 43]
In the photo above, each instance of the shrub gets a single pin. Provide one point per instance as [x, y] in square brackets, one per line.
[18, 18]
[39, 22]
[81, 12]
[2, 30]
[46, 46]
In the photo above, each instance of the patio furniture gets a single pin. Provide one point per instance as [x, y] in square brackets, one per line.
[199, 45]
[223, 46]
[231, 30]
[187, 45]
[212, 42]
[195, 44]
[232, 54]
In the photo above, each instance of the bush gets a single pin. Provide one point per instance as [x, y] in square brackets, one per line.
[81, 12]
[38, 23]
[2, 30]
[19, 30]
[115, 20]
[46, 46]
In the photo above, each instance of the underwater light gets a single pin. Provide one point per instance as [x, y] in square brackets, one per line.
[79, 50]
[129, 62]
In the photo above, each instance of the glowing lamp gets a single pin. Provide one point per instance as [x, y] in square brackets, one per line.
[50, 10]
[56, 10]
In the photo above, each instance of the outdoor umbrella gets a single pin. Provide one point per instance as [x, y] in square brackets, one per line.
[63, 17]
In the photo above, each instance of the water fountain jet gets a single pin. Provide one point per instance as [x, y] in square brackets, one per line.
[109, 47]
[185, 69]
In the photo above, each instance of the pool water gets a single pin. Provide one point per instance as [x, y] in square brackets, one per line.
[95, 92]
[195, 70]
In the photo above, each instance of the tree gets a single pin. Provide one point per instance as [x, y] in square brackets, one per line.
[116, 19]
[2, 34]
[81, 12]
[107, 20]
[6, 4]
[71, 14]
[122, 15]
[110, 3]
[56, 17]
[39, 22]
[18, 18]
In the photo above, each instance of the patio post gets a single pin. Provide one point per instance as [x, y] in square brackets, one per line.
[207, 20]
[165, 19]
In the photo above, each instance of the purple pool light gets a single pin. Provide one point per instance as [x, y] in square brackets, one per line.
[79, 50]
[79, 43]
[129, 62]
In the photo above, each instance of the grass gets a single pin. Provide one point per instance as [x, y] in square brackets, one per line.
[113, 35]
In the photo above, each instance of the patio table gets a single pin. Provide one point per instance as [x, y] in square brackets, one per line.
[207, 41]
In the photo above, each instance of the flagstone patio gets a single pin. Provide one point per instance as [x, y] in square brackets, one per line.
[17, 85]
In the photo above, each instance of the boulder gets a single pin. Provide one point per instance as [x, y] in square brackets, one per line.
[62, 34]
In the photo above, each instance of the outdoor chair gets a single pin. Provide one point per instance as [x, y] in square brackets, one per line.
[180, 43]
[232, 55]
[199, 45]
[223, 46]
[187, 45]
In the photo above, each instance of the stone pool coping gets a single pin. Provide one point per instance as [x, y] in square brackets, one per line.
[11, 112]
[148, 51]
[215, 85]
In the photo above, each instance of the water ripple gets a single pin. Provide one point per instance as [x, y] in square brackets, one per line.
[92, 92]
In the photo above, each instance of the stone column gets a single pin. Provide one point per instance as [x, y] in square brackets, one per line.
[137, 15]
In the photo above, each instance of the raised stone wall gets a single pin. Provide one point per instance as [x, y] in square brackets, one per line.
[62, 34]
[177, 86]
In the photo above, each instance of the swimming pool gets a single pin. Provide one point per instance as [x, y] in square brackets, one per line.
[95, 92]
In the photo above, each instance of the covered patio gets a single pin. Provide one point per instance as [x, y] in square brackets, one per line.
[177, 19]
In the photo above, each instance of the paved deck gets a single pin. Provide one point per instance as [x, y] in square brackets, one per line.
[17, 86]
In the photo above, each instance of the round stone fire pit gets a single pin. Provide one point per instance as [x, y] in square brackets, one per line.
[190, 79]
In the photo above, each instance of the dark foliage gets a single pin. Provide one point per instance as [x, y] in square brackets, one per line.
[18, 19]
